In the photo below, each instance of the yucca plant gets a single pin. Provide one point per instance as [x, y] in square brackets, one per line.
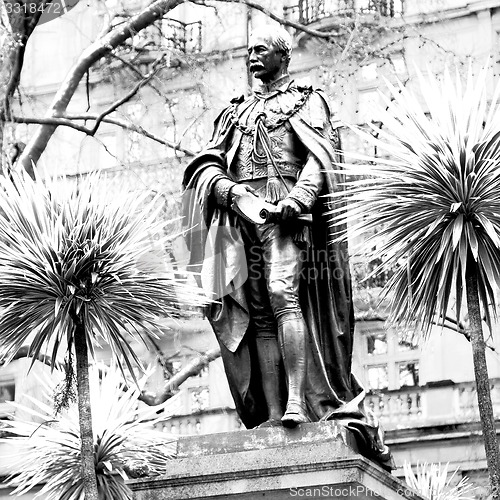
[125, 441]
[432, 482]
[79, 266]
[433, 201]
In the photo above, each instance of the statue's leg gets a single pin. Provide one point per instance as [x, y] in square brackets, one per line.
[283, 261]
[270, 366]
[292, 338]
[266, 329]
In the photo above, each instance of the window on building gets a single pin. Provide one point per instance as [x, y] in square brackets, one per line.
[399, 64]
[407, 344]
[368, 72]
[376, 343]
[7, 393]
[389, 357]
[408, 374]
[368, 105]
[378, 377]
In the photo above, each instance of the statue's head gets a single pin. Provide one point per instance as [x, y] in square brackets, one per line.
[269, 51]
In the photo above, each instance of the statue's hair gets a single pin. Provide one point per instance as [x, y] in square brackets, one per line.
[278, 36]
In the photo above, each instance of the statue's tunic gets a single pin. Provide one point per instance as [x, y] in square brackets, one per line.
[285, 159]
[294, 125]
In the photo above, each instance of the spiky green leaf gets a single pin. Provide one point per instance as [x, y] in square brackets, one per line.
[69, 251]
[125, 439]
[433, 195]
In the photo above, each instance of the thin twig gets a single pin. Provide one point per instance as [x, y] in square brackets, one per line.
[274, 17]
[130, 94]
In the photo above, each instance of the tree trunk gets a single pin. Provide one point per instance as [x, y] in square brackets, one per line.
[14, 37]
[482, 379]
[16, 26]
[85, 413]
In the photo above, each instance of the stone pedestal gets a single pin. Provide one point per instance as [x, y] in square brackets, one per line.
[314, 460]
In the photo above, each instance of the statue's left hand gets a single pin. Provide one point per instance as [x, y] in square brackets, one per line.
[288, 209]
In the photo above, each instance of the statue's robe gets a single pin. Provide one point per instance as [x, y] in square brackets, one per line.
[217, 253]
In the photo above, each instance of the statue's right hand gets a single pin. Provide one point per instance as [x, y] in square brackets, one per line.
[239, 190]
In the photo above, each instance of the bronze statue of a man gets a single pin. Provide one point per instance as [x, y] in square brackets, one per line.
[286, 330]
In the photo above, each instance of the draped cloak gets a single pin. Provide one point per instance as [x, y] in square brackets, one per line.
[217, 253]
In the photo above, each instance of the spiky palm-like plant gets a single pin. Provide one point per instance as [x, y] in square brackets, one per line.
[435, 202]
[432, 482]
[125, 442]
[79, 265]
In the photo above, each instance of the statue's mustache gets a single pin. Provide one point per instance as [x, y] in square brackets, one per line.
[256, 66]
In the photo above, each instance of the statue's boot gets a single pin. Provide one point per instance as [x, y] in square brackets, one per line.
[292, 338]
[270, 366]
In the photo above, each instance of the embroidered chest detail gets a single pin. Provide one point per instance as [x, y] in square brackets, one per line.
[253, 164]
[266, 144]
[270, 112]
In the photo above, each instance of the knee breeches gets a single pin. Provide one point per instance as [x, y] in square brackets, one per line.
[274, 269]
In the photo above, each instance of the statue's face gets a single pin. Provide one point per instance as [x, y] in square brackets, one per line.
[265, 61]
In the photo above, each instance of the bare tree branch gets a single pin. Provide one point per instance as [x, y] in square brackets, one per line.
[349, 40]
[136, 71]
[69, 121]
[61, 120]
[134, 128]
[191, 124]
[90, 56]
[130, 94]
[172, 384]
[254, 5]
